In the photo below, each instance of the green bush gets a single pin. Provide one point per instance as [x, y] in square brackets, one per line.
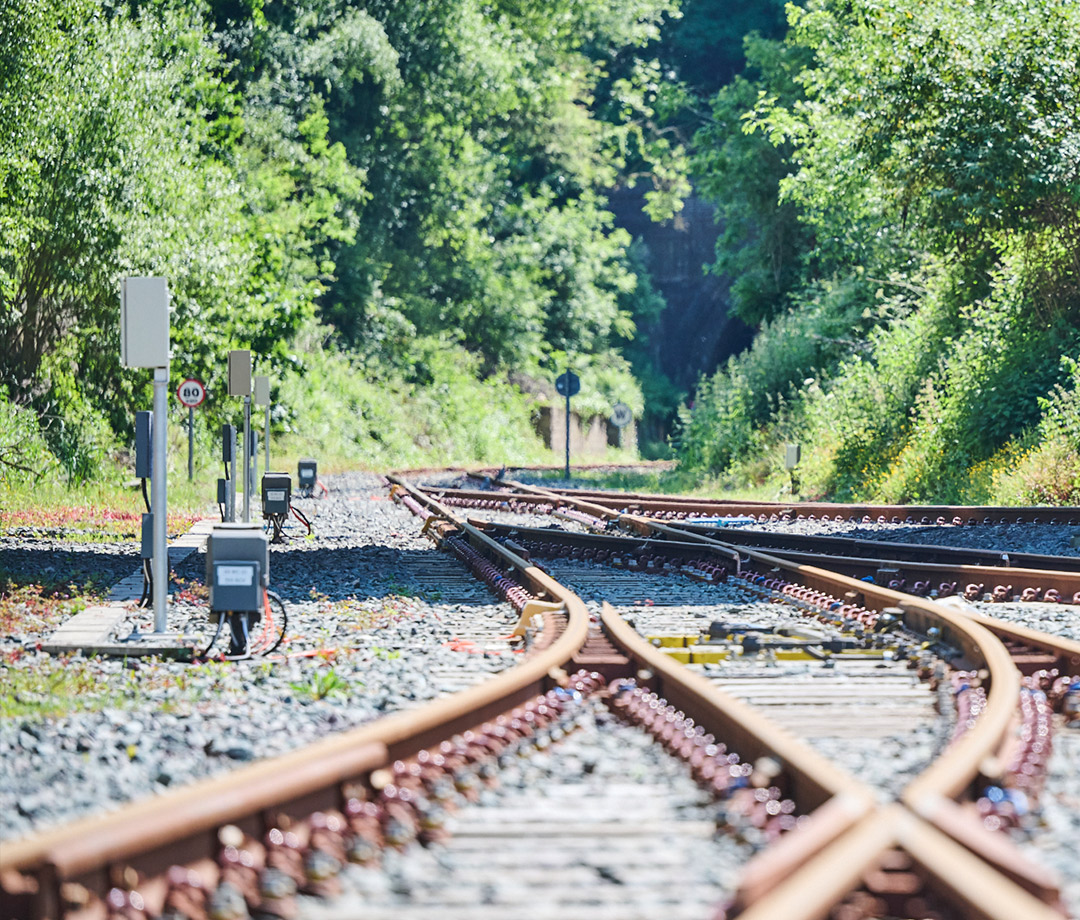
[368, 414]
[732, 408]
[1044, 465]
[24, 455]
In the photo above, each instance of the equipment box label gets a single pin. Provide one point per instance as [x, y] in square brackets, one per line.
[240, 576]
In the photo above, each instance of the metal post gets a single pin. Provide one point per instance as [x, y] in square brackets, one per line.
[266, 437]
[190, 443]
[247, 460]
[230, 507]
[253, 470]
[158, 500]
[568, 422]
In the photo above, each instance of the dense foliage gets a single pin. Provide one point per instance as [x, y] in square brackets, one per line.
[407, 190]
[400, 207]
[900, 181]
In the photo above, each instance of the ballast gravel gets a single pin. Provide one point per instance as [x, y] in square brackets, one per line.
[378, 621]
[1050, 831]
[371, 631]
[600, 823]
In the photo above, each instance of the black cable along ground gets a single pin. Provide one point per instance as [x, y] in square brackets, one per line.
[262, 650]
[301, 516]
[148, 578]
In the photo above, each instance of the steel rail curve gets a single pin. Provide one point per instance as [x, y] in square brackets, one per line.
[1036, 581]
[933, 793]
[149, 836]
[848, 835]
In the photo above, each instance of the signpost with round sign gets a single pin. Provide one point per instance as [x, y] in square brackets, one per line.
[621, 416]
[567, 384]
[192, 394]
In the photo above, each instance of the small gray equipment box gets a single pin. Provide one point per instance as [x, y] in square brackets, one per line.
[276, 502]
[306, 477]
[237, 569]
[276, 493]
[238, 574]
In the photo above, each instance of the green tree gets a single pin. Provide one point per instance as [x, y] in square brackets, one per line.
[763, 243]
[66, 113]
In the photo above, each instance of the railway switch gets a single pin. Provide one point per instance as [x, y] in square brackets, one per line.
[238, 574]
[307, 475]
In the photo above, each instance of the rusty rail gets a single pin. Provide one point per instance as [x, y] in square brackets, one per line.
[148, 836]
[971, 757]
[646, 503]
[39, 874]
[803, 875]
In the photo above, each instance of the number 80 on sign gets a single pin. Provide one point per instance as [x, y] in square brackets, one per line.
[191, 393]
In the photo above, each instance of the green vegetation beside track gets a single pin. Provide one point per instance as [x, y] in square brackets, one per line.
[401, 207]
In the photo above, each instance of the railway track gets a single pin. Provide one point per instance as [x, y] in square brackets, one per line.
[605, 825]
[1031, 651]
[674, 507]
[830, 841]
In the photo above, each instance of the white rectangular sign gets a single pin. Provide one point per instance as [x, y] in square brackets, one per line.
[144, 322]
[235, 576]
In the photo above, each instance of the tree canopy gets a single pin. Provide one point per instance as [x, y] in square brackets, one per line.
[901, 190]
[388, 172]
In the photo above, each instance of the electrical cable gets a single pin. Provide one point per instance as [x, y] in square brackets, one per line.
[322, 485]
[267, 625]
[247, 639]
[301, 517]
[148, 580]
[260, 647]
[228, 479]
[217, 634]
[148, 585]
[271, 596]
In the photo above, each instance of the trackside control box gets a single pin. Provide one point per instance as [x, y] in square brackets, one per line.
[228, 443]
[144, 322]
[144, 445]
[306, 475]
[276, 493]
[237, 567]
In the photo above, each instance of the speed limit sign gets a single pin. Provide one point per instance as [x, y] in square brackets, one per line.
[191, 393]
